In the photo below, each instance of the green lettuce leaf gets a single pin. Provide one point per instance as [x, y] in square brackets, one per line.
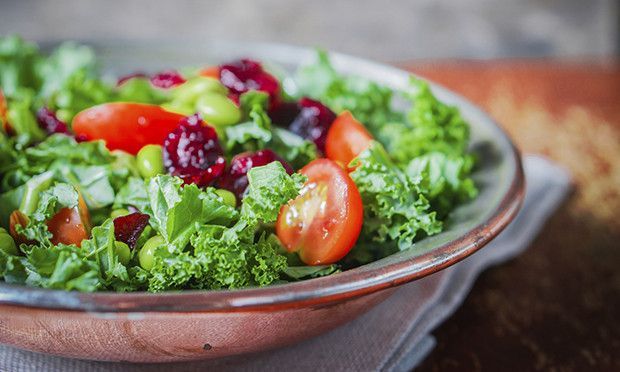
[228, 257]
[258, 133]
[18, 64]
[59, 196]
[446, 179]
[395, 207]
[369, 102]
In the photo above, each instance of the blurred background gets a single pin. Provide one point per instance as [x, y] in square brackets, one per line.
[402, 30]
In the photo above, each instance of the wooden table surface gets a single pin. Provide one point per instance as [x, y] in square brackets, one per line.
[557, 306]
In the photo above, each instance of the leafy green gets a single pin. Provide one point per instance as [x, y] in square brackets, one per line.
[63, 267]
[269, 188]
[241, 255]
[431, 126]
[64, 62]
[61, 195]
[258, 133]
[176, 212]
[395, 207]
[446, 179]
[134, 194]
[308, 272]
[21, 117]
[88, 166]
[18, 63]
[370, 102]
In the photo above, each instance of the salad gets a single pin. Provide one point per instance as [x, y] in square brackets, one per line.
[213, 177]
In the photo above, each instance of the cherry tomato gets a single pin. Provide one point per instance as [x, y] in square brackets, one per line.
[126, 126]
[323, 223]
[4, 110]
[346, 139]
[67, 226]
[211, 71]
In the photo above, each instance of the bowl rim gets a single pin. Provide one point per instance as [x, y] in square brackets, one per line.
[313, 292]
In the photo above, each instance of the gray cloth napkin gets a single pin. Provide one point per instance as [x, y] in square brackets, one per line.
[395, 335]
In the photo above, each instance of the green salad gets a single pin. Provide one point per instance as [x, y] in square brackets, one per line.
[213, 177]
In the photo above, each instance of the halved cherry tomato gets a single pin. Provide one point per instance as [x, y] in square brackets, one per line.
[67, 226]
[211, 71]
[126, 126]
[346, 139]
[323, 223]
[4, 111]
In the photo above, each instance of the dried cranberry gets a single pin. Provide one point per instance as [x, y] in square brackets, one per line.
[192, 151]
[308, 118]
[167, 79]
[47, 120]
[127, 229]
[246, 74]
[81, 138]
[283, 113]
[123, 79]
[236, 179]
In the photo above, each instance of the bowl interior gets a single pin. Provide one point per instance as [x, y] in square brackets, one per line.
[498, 175]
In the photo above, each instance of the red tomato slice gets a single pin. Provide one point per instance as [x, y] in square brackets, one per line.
[4, 110]
[126, 126]
[323, 223]
[67, 226]
[346, 139]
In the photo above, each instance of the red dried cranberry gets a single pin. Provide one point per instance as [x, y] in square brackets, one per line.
[192, 151]
[283, 113]
[167, 79]
[47, 120]
[246, 74]
[123, 79]
[127, 229]
[81, 138]
[236, 179]
[312, 122]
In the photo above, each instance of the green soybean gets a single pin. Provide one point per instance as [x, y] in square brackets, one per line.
[119, 212]
[123, 252]
[146, 256]
[229, 197]
[218, 110]
[195, 87]
[7, 244]
[150, 161]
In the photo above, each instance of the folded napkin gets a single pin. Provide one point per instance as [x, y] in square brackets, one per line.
[395, 335]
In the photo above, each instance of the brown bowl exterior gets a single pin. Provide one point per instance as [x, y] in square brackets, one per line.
[171, 336]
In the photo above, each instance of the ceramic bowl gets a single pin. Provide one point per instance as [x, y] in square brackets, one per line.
[190, 325]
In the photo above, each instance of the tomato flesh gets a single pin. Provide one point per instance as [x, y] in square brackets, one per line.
[346, 139]
[126, 126]
[67, 227]
[323, 223]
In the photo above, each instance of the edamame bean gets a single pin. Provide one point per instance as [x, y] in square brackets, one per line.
[218, 110]
[7, 244]
[123, 252]
[119, 213]
[229, 197]
[146, 256]
[150, 161]
[195, 87]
